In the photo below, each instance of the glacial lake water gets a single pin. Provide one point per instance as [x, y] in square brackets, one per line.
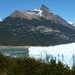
[14, 52]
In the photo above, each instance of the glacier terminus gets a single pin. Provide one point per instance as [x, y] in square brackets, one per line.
[64, 53]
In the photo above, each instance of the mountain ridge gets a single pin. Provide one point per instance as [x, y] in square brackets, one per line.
[22, 28]
[44, 12]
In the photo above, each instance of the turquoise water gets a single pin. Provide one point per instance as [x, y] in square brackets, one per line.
[14, 52]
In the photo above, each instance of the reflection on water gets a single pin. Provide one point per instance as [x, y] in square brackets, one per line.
[14, 52]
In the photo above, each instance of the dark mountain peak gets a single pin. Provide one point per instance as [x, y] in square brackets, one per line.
[45, 10]
[44, 7]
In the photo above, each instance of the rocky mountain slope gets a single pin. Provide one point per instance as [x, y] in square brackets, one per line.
[44, 12]
[37, 27]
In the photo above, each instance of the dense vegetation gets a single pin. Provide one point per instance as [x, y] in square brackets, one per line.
[17, 31]
[29, 66]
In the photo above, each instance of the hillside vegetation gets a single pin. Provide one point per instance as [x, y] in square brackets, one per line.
[29, 66]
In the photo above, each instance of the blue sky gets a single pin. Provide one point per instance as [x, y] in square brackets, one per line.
[63, 8]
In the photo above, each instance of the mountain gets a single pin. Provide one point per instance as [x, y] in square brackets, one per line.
[38, 27]
[44, 12]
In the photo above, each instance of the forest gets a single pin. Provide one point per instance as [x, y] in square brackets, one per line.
[30, 66]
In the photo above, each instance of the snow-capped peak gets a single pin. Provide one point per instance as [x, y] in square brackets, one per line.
[40, 11]
[0, 19]
[72, 23]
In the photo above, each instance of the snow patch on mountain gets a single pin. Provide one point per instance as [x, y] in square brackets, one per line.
[0, 19]
[36, 12]
[72, 23]
[40, 11]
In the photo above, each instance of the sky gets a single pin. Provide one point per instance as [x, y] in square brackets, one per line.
[63, 8]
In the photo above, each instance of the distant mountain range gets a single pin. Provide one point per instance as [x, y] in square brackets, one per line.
[38, 27]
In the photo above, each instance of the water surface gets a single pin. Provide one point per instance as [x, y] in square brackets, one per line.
[14, 52]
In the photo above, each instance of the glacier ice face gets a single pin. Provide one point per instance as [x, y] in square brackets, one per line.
[64, 53]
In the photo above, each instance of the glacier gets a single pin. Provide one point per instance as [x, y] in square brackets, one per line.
[64, 53]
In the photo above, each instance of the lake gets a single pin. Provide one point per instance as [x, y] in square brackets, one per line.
[14, 52]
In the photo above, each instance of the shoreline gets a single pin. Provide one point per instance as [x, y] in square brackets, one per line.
[14, 46]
